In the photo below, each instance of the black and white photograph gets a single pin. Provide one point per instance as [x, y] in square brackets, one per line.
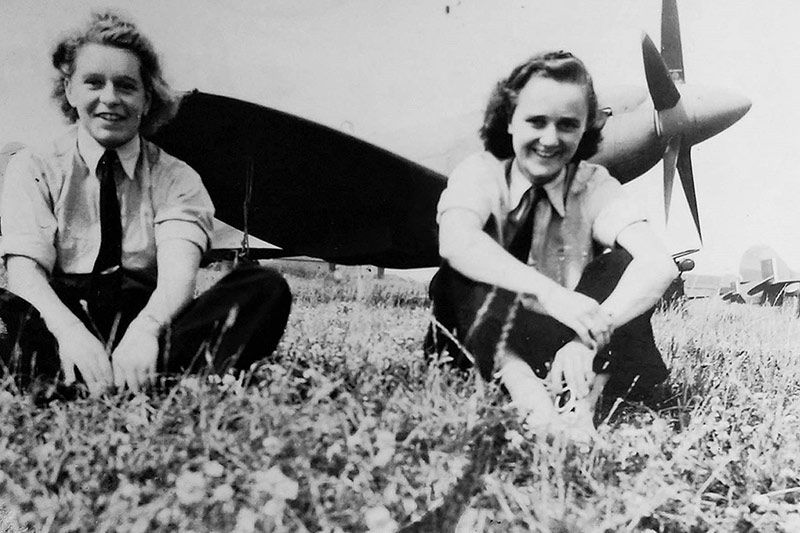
[399, 266]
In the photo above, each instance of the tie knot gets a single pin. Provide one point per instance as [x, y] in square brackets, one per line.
[107, 164]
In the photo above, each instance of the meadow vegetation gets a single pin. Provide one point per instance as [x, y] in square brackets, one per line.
[346, 428]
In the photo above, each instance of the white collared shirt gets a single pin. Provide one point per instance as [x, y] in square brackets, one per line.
[564, 234]
[91, 151]
[51, 204]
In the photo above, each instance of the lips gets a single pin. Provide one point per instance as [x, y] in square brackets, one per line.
[110, 117]
[546, 154]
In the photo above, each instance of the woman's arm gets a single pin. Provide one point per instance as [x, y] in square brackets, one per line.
[77, 347]
[469, 250]
[134, 359]
[640, 287]
[645, 279]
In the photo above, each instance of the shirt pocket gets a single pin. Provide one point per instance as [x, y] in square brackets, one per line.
[76, 252]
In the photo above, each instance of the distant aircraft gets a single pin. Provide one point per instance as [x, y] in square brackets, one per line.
[315, 191]
[764, 278]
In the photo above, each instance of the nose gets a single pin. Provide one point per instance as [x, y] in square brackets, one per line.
[549, 135]
[108, 94]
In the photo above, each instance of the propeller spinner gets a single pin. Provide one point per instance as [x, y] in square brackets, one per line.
[683, 117]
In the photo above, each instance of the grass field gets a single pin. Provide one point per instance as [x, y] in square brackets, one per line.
[347, 429]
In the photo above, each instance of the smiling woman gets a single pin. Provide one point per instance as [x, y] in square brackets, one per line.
[107, 92]
[524, 286]
[103, 233]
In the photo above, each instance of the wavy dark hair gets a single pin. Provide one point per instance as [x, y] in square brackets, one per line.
[557, 65]
[110, 29]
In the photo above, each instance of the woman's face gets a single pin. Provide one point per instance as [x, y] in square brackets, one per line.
[106, 89]
[547, 126]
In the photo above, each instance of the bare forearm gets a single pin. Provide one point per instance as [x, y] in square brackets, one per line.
[640, 287]
[178, 263]
[647, 277]
[28, 280]
[477, 256]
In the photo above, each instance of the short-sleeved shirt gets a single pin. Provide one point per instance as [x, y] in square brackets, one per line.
[586, 209]
[50, 204]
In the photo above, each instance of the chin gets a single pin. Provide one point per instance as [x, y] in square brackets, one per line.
[112, 140]
[543, 172]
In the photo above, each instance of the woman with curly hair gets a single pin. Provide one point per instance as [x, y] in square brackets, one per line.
[550, 272]
[103, 233]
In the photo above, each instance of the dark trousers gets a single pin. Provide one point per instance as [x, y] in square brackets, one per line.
[235, 323]
[482, 316]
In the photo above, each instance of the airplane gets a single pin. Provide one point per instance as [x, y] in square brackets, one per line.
[764, 278]
[312, 190]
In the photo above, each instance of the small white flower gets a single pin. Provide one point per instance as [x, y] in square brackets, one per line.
[245, 521]
[213, 469]
[275, 483]
[272, 445]
[760, 500]
[223, 493]
[379, 520]
[190, 487]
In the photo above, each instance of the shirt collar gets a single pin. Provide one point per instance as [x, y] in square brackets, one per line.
[519, 185]
[91, 151]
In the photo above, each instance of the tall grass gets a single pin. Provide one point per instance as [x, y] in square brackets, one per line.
[346, 428]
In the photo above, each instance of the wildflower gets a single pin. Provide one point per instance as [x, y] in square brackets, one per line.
[274, 508]
[44, 452]
[190, 487]
[164, 516]
[222, 493]
[213, 469]
[191, 383]
[272, 445]
[245, 521]
[275, 483]
[385, 442]
[760, 500]
[379, 520]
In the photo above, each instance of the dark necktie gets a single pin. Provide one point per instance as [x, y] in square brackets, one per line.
[110, 255]
[519, 224]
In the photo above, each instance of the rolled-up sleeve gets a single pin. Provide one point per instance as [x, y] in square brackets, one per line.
[185, 210]
[28, 222]
[472, 186]
[611, 209]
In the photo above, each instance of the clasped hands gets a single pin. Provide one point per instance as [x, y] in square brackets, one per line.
[593, 326]
[132, 363]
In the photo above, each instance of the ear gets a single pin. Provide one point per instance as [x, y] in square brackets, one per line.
[68, 91]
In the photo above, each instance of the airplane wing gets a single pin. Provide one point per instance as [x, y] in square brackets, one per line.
[307, 188]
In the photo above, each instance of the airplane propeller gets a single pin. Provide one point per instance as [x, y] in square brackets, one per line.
[666, 99]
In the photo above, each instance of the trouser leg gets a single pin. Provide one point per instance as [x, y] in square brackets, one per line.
[235, 323]
[27, 349]
[487, 319]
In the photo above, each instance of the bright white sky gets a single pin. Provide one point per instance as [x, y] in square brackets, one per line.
[379, 67]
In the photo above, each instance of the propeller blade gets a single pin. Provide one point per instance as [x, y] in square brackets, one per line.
[662, 89]
[670, 160]
[671, 50]
[687, 180]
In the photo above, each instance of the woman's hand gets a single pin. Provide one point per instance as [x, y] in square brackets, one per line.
[572, 366]
[582, 314]
[134, 359]
[79, 348]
